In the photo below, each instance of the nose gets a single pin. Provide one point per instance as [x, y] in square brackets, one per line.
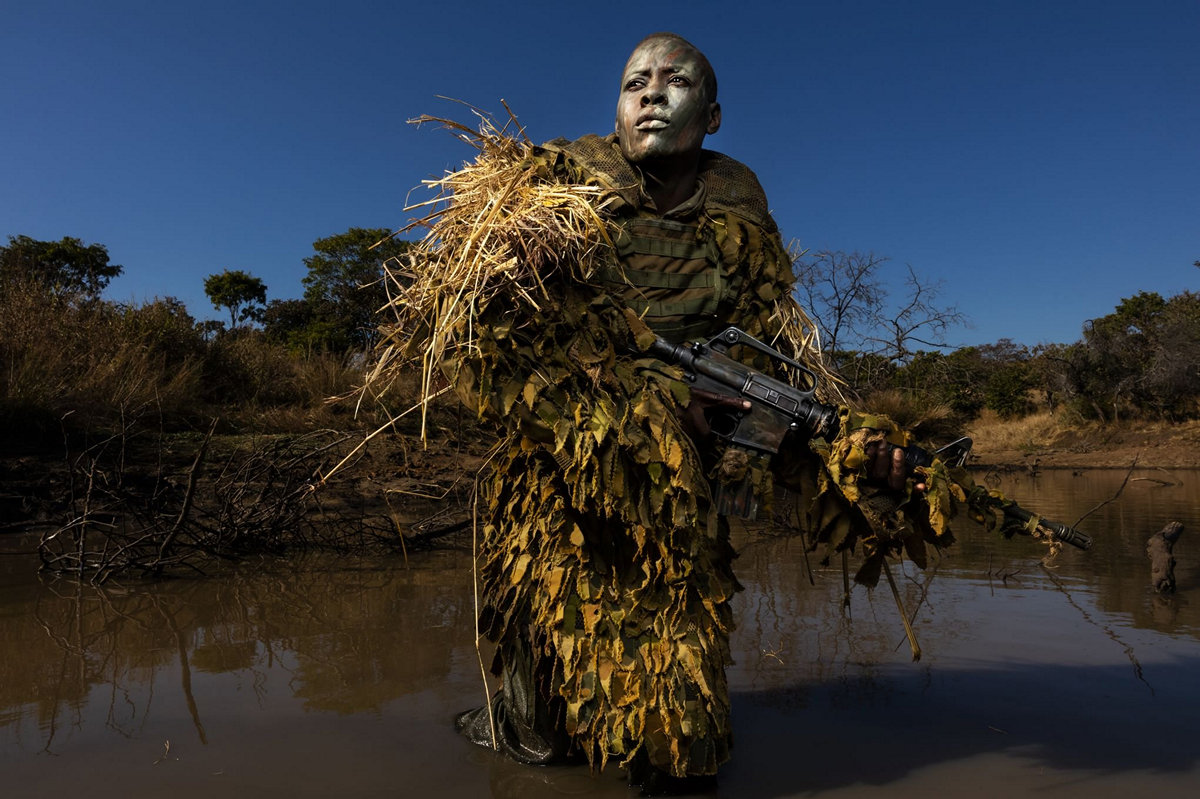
[655, 93]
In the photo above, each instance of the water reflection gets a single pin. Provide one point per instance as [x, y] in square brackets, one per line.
[342, 637]
[328, 676]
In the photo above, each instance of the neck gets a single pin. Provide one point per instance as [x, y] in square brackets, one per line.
[670, 181]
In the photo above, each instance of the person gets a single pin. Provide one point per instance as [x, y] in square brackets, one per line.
[606, 571]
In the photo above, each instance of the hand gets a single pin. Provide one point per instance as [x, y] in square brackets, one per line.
[885, 466]
[695, 417]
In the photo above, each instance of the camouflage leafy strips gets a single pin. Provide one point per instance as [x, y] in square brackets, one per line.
[599, 544]
[847, 511]
[600, 541]
[604, 550]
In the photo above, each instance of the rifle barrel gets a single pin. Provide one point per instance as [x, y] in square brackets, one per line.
[1058, 530]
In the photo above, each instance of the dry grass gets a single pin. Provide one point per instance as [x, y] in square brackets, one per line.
[1028, 434]
[490, 231]
[929, 421]
[91, 361]
[93, 365]
[1062, 440]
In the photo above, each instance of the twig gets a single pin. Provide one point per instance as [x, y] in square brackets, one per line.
[487, 697]
[924, 586]
[1124, 483]
[846, 579]
[908, 630]
[186, 508]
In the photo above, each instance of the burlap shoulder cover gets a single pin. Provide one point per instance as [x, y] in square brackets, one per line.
[731, 185]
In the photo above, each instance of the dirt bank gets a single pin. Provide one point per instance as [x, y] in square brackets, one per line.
[432, 485]
[1043, 442]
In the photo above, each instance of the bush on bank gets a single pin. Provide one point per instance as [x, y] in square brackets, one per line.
[72, 362]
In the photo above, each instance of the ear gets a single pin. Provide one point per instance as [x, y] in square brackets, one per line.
[714, 118]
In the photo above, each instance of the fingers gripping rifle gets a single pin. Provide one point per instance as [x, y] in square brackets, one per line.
[777, 408]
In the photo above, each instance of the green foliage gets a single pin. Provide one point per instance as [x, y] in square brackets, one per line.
[61, 267]
[1142, 358]
[1007, 390]
[1007, 377]
[954, 379]
[240, 292]
[343, 291]
[995, 376]
[865, 372]
[164, 327]
[290, 323]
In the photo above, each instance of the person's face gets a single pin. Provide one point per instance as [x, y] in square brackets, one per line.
[663, 110]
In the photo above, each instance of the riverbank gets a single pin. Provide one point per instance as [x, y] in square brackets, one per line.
[35, 486]
[1043, 441]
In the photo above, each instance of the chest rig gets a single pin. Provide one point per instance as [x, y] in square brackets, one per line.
[669, 272]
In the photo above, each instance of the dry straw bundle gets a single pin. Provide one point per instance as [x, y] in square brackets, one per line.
[491, 230]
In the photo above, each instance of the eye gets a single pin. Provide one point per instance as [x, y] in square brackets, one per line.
[680, 80]
[634, 83]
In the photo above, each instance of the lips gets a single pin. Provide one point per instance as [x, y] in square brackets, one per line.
[651, 122]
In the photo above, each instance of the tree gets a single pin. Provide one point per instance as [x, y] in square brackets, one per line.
[240, 292]
[918, 321]
[344, 285]
[63, 267]
[1009, 377]
[842, 293]
[847, 298]
[1143, 357]
[293, 324]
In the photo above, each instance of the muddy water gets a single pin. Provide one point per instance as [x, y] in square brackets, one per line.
[339, 678]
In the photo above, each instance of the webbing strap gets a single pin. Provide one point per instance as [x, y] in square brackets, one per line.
[657, 308]
[662, 237]
[679, 332]
[643, 278]
[667, 248]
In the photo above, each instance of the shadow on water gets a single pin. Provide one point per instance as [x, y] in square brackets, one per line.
[336, 677]
[899, 726]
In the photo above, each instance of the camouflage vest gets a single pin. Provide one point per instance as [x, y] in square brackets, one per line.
[669, 268]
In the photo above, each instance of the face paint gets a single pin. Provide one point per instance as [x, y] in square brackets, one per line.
[663, 110]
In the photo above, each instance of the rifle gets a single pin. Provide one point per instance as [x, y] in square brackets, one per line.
[778, 408]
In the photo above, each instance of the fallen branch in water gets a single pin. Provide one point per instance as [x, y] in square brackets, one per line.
[1159, 548]
[127, 518]
[1114, 497]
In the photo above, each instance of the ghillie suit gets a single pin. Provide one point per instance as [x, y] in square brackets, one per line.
[605, 571]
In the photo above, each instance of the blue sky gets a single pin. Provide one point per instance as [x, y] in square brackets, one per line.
[1040, 159]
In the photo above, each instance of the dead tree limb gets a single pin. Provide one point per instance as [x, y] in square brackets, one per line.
[1162, 562]
[1115, 496]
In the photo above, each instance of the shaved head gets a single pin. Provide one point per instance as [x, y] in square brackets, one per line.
[708, 74]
